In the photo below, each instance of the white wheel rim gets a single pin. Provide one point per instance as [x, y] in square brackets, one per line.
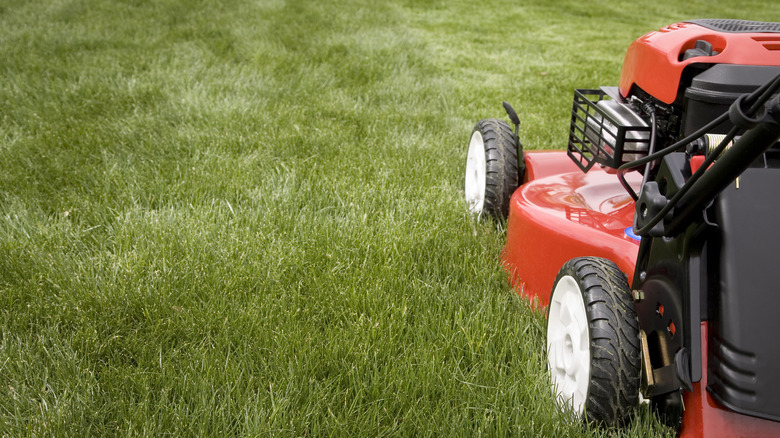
[568, 345]
[475, 173]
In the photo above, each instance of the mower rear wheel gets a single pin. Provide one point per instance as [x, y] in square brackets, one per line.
[491, 168]
[593, 347]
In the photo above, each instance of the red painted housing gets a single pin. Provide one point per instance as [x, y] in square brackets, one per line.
[559, 213]
[654, 61]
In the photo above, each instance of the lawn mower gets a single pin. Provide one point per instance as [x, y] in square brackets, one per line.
[652, 240]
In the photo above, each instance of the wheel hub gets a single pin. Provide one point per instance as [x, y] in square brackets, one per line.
[567, 345]
[476, 174]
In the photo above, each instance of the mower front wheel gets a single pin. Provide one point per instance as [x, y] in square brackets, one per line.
[491, 168]
[593, 346]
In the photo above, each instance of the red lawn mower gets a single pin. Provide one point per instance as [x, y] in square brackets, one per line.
[653, 240]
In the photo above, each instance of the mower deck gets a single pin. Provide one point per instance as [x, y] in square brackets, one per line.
[560, 213]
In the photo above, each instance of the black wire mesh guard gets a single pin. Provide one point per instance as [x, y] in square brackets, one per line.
[604, 131]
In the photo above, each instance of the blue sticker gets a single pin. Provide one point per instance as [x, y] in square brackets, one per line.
[630, 233]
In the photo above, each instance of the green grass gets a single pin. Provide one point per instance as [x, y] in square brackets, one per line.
[245, 218]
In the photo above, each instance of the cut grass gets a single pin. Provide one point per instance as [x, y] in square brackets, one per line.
[246, 218]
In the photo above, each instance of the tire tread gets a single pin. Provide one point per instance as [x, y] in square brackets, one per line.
[614, 341]
[502, 176]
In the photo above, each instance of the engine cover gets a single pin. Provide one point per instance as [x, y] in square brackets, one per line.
[656, 61]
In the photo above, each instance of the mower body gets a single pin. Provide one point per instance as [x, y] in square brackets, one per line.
[705, 277]
[560, 213]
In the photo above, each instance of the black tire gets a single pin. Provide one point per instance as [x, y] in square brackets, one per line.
[610, 392]
[491, 168]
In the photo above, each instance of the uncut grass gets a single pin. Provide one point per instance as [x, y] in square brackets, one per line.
[245, 218]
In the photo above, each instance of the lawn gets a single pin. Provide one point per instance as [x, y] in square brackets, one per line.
[245, 218]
